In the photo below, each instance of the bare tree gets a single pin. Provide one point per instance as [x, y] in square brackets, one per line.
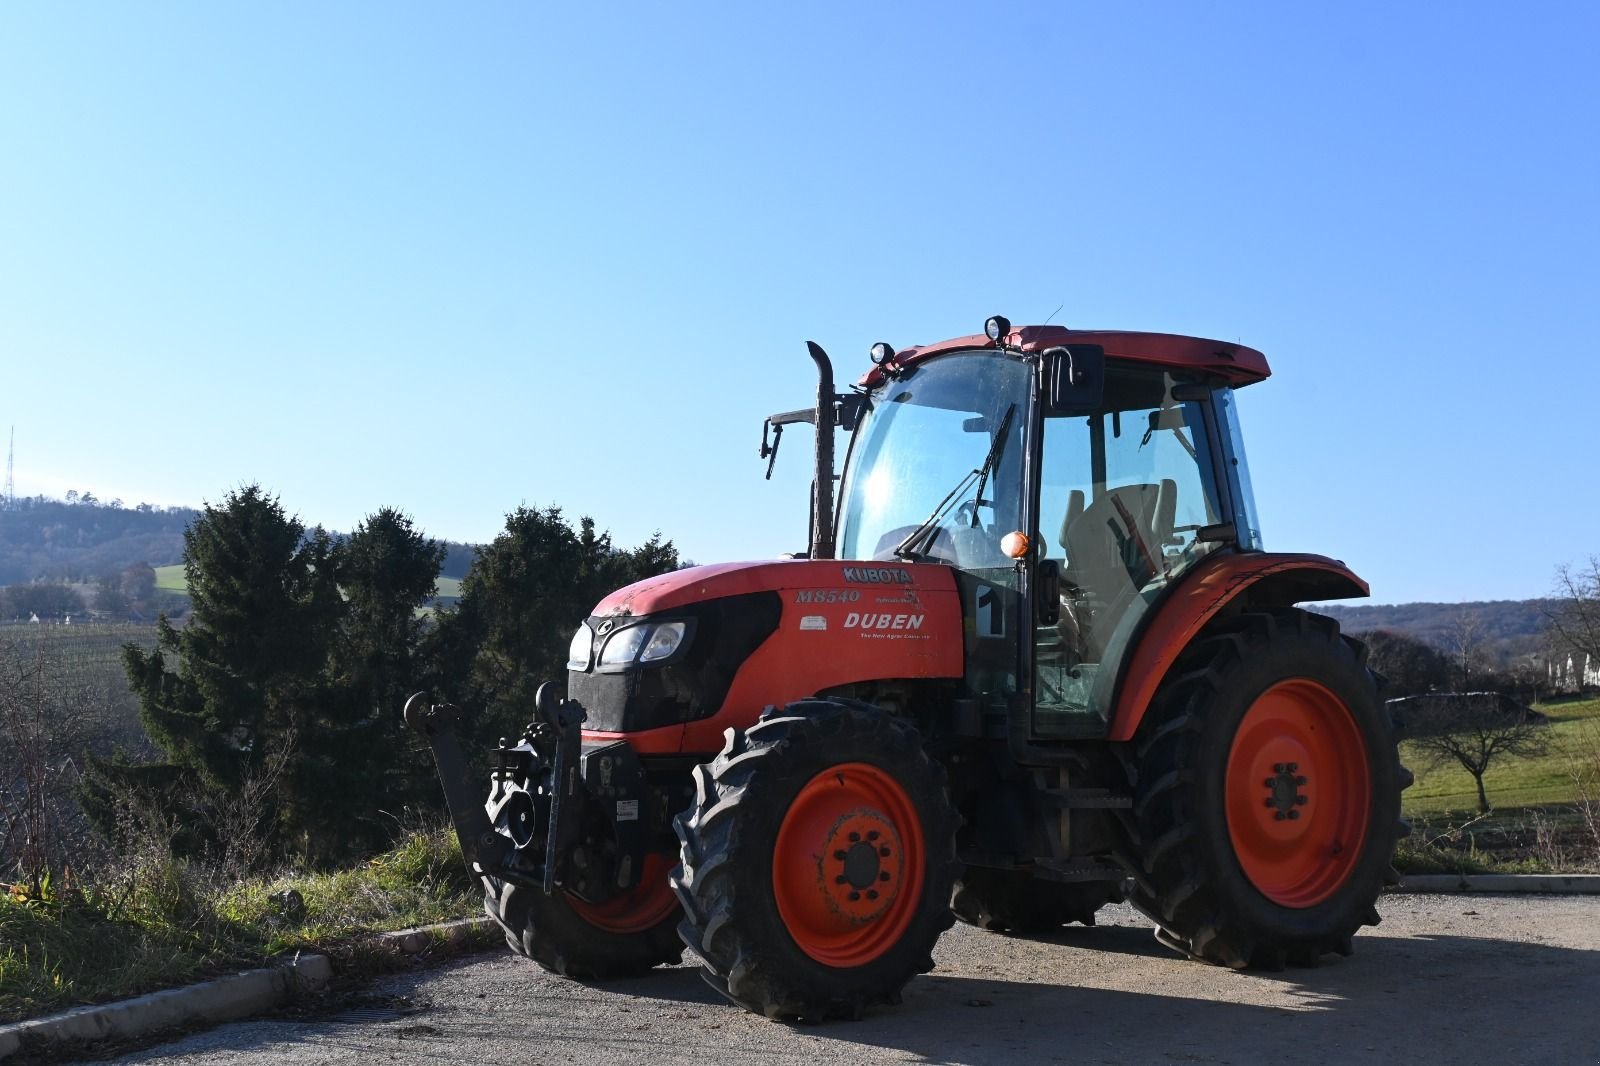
[1466, 639]
[241, 817]
[1473, 730]
[1583, 764]
[46, 723]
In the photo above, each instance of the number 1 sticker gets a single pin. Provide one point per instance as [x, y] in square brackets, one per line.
[991, 619]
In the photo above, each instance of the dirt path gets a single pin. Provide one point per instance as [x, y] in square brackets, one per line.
[1444, 979]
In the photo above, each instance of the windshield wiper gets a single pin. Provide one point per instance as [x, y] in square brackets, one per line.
[904, 549]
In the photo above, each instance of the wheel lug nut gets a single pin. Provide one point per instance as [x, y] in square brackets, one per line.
[855, 838]
[1277, 767]
[1277, 816]
[1301, 801]
[872, 834]
[1292, 767]
[872, 893]
[1268, 803]
[883, 852]
[1269, 782]
[883, 875]
[854, 896]
[1300, 780]
[840, 854]
[1293, 815]
[841, 880]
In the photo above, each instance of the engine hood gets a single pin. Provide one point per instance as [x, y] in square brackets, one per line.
[698, 583]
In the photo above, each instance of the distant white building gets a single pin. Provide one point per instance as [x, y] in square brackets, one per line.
[1574, 673]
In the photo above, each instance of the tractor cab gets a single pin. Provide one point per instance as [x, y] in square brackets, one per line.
[1069, 478]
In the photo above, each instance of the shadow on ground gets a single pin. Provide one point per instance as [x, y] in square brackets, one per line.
[1424, 999]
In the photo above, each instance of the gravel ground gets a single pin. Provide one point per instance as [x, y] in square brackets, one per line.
[1445, 979]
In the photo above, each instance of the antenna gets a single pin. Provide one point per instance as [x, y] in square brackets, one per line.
[8, 497]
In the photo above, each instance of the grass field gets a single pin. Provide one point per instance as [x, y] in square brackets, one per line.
[1536, 781]
[171, 579]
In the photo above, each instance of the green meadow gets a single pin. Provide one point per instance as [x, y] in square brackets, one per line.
[171, 579]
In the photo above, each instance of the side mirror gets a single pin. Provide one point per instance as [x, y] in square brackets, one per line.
[1077, 374]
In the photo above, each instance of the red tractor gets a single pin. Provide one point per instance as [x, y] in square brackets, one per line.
[1035, 660]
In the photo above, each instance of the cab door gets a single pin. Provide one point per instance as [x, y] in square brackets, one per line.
[1123, 494]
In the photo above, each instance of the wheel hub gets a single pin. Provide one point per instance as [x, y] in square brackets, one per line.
[862, 867]
[1296, 841]
[1283, 791]
[847, 865]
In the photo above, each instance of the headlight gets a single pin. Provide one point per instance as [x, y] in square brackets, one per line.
[580, 648]
[664, 640]
[643, 643]
[623, 646]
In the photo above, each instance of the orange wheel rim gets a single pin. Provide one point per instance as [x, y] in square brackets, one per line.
[644, 906]
[847, 869]
[1299, 793]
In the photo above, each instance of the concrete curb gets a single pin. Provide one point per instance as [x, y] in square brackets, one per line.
[220, 1000]
[1551, 884]
[415, 941]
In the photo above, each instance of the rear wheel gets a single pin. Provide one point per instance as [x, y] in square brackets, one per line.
[626, 935]
[1267, 794]
[1015, 901]
[817, 861]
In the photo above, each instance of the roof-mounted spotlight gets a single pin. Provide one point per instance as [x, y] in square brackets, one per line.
[881, 353]
[998, 328]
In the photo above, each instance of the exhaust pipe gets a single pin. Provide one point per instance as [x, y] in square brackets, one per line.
[822, 484]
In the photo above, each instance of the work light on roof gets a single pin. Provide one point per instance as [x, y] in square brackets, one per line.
[881, 353]
[998, 328]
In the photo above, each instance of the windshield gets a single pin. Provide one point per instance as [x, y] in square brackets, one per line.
[938, 461]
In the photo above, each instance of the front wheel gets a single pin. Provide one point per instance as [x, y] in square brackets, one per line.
[627, 935]
[1267, 795]
[817, 861]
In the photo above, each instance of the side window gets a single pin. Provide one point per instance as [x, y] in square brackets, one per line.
[1154, 468]
[1064, 472]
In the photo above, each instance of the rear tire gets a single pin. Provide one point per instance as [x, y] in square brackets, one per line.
[552, 932]
[1267, 794]
[817, 861]
[1015, 901]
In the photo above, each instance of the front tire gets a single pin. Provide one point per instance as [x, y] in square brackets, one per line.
[625, 937]
[1267, 794]
[817, 861]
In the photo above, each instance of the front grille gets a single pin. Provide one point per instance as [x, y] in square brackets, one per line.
[692, 685]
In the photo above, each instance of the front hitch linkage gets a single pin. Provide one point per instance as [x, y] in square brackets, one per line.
[486, 851]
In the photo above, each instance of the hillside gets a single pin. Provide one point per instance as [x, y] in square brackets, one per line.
[52, 540]
[1506, 629]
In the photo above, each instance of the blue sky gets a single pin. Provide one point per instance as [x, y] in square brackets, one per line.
[456, 258]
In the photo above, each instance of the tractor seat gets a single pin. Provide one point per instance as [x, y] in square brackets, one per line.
[1115, 545]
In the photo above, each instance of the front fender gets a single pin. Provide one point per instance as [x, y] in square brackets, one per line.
[1270, 579]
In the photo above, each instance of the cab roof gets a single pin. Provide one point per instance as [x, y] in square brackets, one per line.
[1234, 362]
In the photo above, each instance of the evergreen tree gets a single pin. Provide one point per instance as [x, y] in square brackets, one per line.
[386, 571]
[523, 598]
[245, 680]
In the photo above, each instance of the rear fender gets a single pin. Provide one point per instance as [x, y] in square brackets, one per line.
[1261, 579]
